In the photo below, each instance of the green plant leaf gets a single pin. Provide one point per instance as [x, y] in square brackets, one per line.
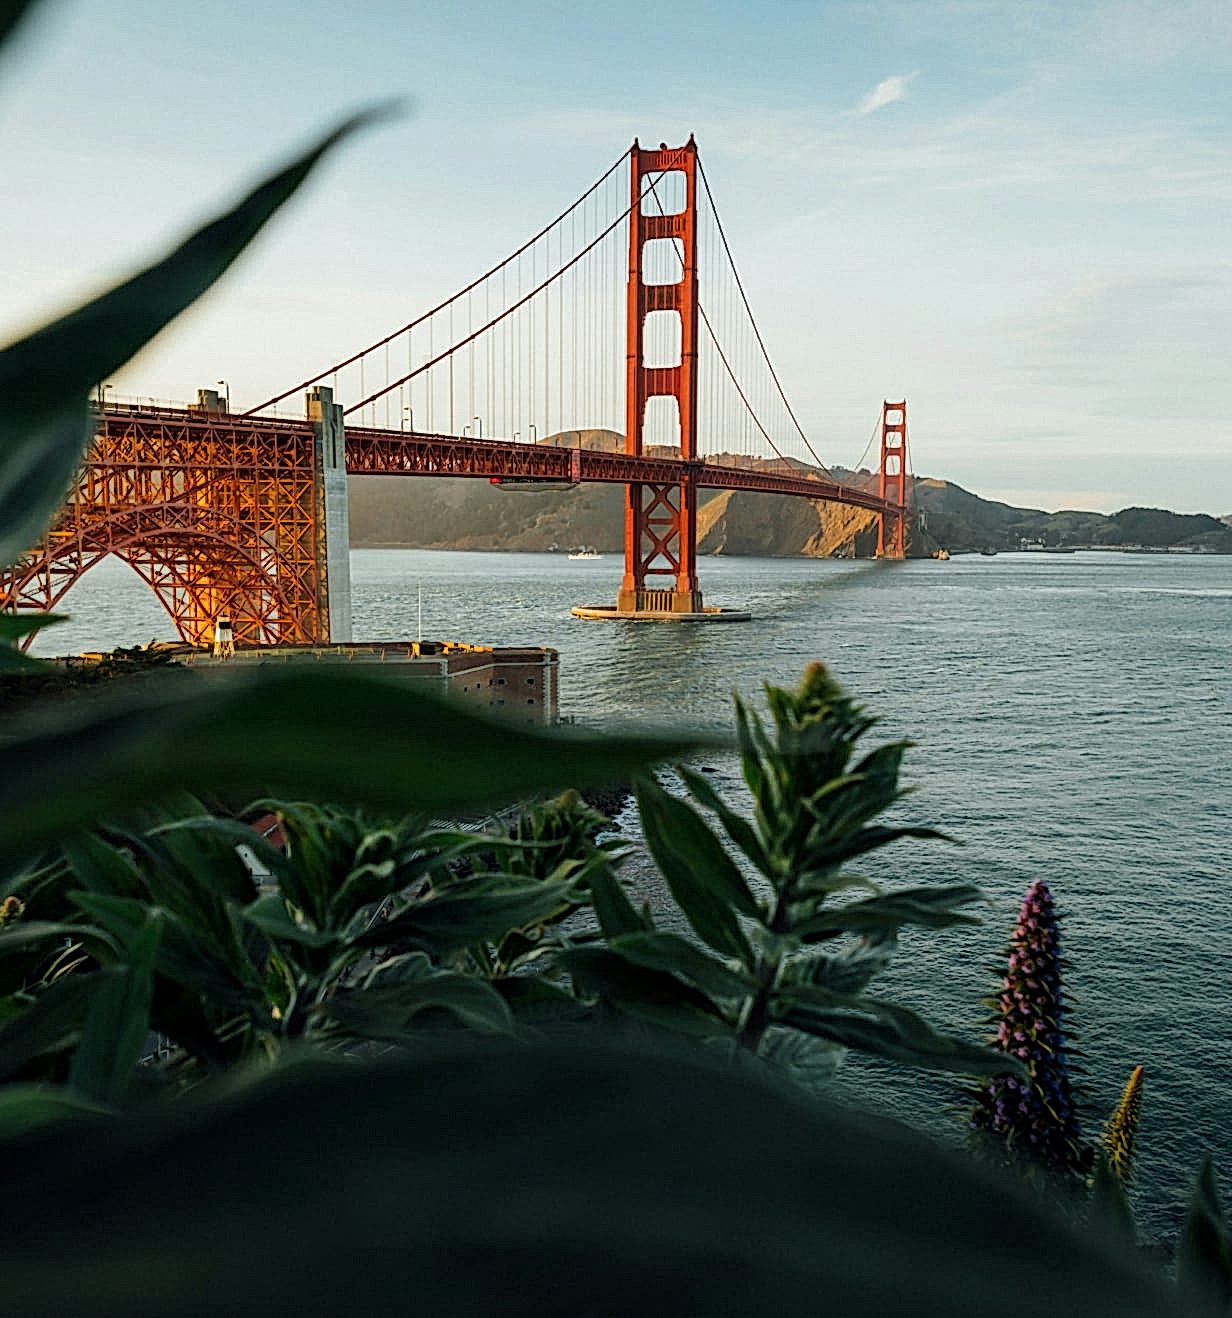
[440, 925]
[186, 952]
[31, 933]
[11, 14]
[27, 1108]
[655, 996]
[1110, 1218]
[15, 627]
[118, 1021]
[703, 878]
[325, 732]
[850, 969]
[102, 867]
[269, 914]
[837, 851]
[390, 1012]
[615, 911]
[537, 1002]
[45, 378]
[48, 1024]
[1204, 1254]
[741, 832]
[932, 907]
[885, 1030]
[547, 1180]
[679, 957]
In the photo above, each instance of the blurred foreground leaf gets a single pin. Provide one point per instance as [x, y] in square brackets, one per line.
[513, 1180]
[323, 732]
[1204, 1255]
[45, 378]
[15, 627]
[11, 13]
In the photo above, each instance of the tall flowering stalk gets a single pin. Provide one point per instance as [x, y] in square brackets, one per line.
[1121, 1129]
[1034, 1120]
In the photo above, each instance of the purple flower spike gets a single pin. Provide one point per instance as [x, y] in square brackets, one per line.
[1035, 1119]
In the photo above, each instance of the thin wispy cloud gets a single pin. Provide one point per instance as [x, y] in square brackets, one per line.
[886, 92]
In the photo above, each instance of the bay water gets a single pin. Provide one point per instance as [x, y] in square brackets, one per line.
[1073, 719]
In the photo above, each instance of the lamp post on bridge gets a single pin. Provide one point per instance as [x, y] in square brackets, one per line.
[408, 413]
[478, 420]
[226, 393]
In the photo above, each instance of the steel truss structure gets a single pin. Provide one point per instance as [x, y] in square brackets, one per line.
[219, 516]
[224, 515]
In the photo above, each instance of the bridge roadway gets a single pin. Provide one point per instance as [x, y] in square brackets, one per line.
[393, 452]
[372, 451]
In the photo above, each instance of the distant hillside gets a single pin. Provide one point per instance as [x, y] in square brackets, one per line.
[431, 512]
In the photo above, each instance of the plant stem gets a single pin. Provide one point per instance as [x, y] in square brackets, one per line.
[758, 1019]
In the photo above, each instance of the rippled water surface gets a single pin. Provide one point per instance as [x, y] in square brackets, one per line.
[1073, 715]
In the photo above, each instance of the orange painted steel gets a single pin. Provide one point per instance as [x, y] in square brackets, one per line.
[661, 517]
[221, 514]
[224, 514]
[218, 515]
[378, 452]
[892, 487]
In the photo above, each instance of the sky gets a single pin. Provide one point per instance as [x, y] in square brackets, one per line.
[1016, 215]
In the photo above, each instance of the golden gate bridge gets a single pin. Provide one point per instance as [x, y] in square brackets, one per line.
[626, 313]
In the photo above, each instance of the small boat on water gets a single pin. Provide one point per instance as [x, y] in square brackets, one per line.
[988, 553]
[585, 551]
[942, 555]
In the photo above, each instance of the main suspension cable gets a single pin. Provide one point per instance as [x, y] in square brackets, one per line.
[760, 342]
[427, 315]
[521, 302]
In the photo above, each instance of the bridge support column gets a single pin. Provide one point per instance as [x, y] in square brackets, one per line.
[661, 520]
[660, 579]
[892, 527]
[333, 527]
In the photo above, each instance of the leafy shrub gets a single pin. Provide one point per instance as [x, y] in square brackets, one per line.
[775, 958]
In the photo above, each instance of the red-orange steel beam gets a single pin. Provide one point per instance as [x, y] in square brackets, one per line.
[219, 513]
[661, 517]
[372, 452]
[892, 482]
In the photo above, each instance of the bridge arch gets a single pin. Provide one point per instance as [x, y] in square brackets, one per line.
[216, 515]
[198, 562]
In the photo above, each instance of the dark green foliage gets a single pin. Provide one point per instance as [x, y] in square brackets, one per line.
[13, 630]
[1204, 1258]
[46, 377]
[11, 13]
[336, 735]
[365, 930]
[26, 681]
[775, 956]
[547, 1181]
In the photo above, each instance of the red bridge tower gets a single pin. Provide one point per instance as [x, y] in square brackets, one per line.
[892, 526]
[661, 520]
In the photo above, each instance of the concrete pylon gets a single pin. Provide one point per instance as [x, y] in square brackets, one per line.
[333, 522]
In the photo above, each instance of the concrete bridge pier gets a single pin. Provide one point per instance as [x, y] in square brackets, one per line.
[333, 548]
